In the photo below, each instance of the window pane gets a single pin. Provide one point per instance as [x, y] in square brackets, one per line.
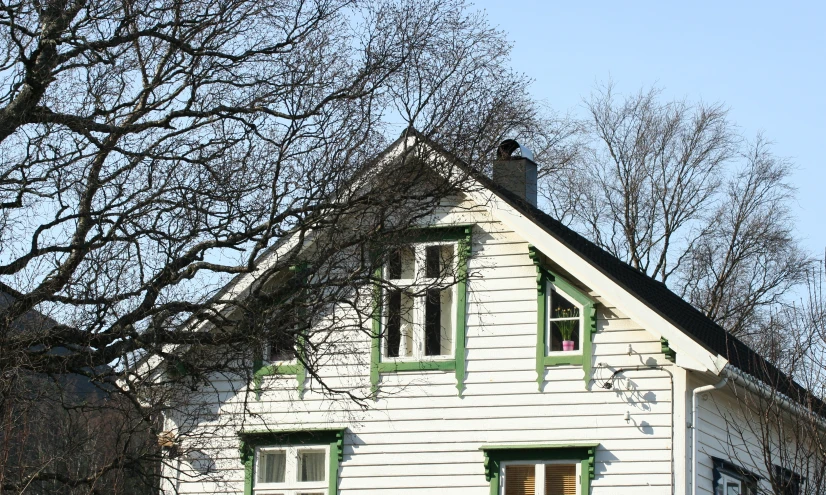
[439, 322]
[394, 265]
[520, 480]
[433, 265]
[401, 263]
[564, 324]
[394, 310]
[433, 323]
[557, 329]
[562, 307]
[282, 346]
[438, 261]
[560, 479]
[732, 488]
[406, 325]
[271, 467]
[311, 465]
[446, 323]
[399, 332]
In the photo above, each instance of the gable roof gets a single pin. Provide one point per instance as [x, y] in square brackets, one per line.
[653, 293]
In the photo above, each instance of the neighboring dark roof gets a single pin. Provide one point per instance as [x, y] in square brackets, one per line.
[34, 322]
[29, 322]
[653, 293]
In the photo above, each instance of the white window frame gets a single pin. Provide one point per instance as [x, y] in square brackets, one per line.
[419, 283]
[291, 485]
[539, 474]
[726, 478]
[551, 288]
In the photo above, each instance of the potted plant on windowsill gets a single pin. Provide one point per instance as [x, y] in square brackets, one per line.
[569, 321]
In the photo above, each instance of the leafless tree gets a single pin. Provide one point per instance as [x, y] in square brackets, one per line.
[748, 256]
[780, 426]
[671, 188]
[152, 150]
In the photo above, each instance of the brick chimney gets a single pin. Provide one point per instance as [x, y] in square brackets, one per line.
[517, 173]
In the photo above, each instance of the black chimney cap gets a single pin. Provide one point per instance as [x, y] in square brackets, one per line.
[508, 146]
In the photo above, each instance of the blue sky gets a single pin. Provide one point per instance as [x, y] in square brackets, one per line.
[765, 61]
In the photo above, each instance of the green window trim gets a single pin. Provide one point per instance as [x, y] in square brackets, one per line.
[252, 439]
[260, 370]
[496, 454]
[544, 276]
[462, 235]
[297, 369]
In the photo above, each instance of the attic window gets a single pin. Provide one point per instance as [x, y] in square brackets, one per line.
[564, 323]
[420, 309]
[421, 294]
[282, 348]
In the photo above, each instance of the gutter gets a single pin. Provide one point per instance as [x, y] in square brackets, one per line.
[756, 386]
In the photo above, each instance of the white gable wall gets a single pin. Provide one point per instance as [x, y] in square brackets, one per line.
[420, 437]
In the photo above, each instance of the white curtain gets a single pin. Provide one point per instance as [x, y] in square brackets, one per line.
[271, 467]
[312, 466]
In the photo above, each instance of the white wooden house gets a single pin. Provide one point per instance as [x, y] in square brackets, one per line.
[488, 399]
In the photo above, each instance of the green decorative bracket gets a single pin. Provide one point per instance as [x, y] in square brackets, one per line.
[463, 235]
[670, 354]
[491, 466]
[542, 279]
[545, 276]
[246, 451]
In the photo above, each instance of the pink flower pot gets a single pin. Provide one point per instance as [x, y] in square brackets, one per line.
[567, 345]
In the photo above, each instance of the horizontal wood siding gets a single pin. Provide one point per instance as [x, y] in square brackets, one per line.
[421, 437]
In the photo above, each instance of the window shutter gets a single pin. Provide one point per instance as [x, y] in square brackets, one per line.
[560, 479]
[520, 480]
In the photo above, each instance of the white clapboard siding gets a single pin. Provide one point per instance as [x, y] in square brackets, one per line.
[420, 437]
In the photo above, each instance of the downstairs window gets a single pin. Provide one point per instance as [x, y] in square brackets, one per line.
[301, 462]
[290, 470]
[544, 478]
[545, 469]
[731, 479]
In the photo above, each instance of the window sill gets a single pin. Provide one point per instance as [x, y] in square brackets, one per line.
[556, 360]
[280, 369]
[296, 370]
[401, 366]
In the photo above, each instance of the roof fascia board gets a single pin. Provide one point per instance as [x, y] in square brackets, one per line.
[241, 286]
